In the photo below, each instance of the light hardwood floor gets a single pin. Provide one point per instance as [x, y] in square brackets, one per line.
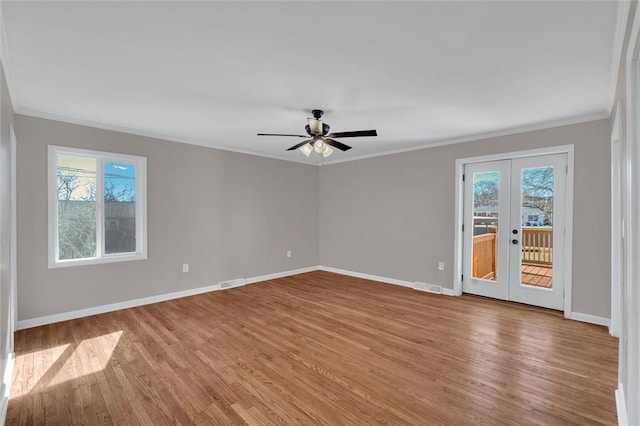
[317, 348]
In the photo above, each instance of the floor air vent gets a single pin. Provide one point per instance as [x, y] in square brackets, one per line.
[232, 283]
[429, 288]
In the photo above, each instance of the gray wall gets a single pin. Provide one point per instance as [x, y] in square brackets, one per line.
[6, 119]
[393, 216]
[228, 215]
[233, 215]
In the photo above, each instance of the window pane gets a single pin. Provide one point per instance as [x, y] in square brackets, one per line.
[76, 177]
[120, 208]
[486, 205]
[537, 227]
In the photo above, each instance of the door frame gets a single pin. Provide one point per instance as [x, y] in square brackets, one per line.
[459, 212]
[628, 390]
[13, 302]
[618, 156]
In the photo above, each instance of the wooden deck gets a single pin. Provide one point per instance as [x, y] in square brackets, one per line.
[537, 256]
[534, 275]
[317, 348]
[537, 275]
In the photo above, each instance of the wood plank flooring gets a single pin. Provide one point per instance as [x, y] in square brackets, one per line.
[317, 348]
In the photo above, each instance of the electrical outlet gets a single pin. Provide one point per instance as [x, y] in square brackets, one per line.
[288, 253]
[185, 267]
[440, 266]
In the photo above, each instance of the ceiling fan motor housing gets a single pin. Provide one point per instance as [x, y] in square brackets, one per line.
[325, 130]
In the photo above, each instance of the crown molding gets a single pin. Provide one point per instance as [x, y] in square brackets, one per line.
[437, 143]
[480, 136]
[4, 59]
[154, 135]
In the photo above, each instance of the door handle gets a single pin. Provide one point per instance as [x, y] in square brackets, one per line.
[515, 231]
[514, 241]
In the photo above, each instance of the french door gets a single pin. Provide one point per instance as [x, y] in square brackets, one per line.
[514, 229]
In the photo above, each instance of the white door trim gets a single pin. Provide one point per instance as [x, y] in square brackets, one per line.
[459, 194]
[629, 342]
[13, 298]
[616, 221]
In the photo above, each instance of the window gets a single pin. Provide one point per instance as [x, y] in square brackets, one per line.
[97, 207]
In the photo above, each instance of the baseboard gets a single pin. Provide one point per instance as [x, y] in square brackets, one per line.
[367, 276]
[409, 284]
[621, 406]
[590, 319]
[280, 275]
[449, 292]
[96, 310]
[80, 313]
[6, 386]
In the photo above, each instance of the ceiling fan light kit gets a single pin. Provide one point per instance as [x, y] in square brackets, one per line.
[322, 140]
[306, 149]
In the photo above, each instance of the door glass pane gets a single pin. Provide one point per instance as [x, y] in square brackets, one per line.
[120, 208]
[537, 227]
[486, 187]
[76, 179]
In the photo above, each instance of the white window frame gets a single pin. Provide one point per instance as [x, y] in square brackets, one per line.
[141, 207]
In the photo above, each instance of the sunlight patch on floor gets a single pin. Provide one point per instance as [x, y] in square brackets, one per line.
[59, 364]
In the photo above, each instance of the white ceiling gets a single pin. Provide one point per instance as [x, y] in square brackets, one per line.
[217, 73]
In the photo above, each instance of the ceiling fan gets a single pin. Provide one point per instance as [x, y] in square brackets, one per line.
[321, 140]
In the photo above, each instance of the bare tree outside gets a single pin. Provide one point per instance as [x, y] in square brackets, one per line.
[485, 189]
[538, 181]
[537, 191]
[76, 213]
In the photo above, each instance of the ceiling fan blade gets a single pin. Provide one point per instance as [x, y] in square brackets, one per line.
[355, 134]
[282, 134]
[336, 144]
[293, 148]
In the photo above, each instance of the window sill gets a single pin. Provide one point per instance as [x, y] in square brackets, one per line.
[97, 260]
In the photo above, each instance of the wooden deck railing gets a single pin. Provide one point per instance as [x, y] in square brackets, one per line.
[537, 248]
[537, 245]
[485, 254]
